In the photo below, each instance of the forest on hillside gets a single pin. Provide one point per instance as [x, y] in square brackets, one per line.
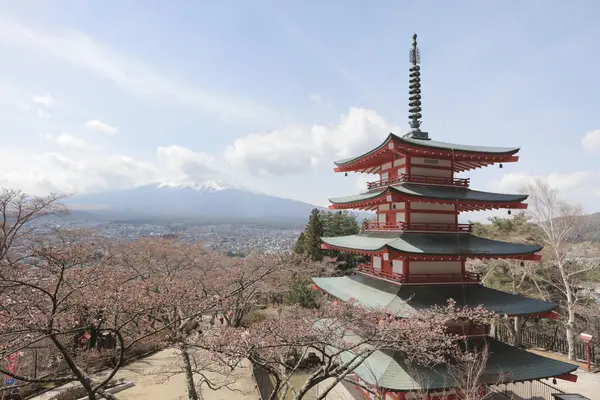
[591, 228]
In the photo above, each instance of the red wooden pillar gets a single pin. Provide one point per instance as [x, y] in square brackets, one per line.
[587, 356]
[456, 214]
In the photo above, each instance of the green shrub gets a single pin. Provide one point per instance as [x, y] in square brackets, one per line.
[300, 292]
[253, 317]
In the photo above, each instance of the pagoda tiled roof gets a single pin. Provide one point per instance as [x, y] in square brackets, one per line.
[506, 364]
[449, 193]
[404, 300]
[432, 144]
[459, 244]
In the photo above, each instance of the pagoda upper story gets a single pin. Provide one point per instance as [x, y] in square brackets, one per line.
[416, 236]
[417, 189]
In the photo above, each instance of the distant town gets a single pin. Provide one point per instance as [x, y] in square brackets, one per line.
[237, 239]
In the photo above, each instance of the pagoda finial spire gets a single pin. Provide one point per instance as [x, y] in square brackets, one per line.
[415, 93]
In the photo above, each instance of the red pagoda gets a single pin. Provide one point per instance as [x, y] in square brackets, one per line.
[418, 249]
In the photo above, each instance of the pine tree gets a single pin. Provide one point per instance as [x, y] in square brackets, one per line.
[299, 292]
[299, 245]
[312, 236]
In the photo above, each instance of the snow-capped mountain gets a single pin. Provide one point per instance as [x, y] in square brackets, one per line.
[210, 200]
[210, 185]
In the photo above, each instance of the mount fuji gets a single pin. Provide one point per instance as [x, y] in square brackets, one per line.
[210, 200]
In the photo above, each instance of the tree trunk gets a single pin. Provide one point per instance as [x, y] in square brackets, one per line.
[570, 311]
[569, 331]
[193, 394]
[518, 338]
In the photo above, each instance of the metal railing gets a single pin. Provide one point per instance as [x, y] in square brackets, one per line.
[422, 179]
[538, 390]
[557, 342]
[417, 226]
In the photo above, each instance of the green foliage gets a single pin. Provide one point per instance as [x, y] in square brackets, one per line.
[312, 236]
[299, 245]
[592, 275]
[300, 292]
[325, 224]
[235, 253]
[516, 227]
[252, 317]
[339, 223]
[506, 274]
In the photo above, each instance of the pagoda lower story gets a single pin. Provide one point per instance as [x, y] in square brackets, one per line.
[417, 252]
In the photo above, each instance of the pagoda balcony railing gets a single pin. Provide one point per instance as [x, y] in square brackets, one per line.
[417, 227]
[467, 277]
[423, 179]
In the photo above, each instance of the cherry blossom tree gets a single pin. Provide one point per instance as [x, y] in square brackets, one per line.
[194, 284]
[467, 371]
[258, 276]
[69, 297]
[342, 335]
[18, 214]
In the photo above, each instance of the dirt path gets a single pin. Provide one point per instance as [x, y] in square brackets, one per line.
[149, 385]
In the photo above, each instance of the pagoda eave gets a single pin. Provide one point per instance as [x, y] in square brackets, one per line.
[425, 246]
[378, 252]
[464, 157]
[402, 300]
[389, 370]
[463, 198]
[453, 257]
[461, 206]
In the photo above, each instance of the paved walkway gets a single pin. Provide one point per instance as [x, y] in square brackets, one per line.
[588, 383]
[150, 384]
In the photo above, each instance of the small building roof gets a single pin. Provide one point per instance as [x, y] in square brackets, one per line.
[463, 244]
[432, 144]
[404, 300]
[506, 364]
[449, 193]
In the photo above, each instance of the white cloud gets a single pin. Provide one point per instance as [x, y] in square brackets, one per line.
[43, 114]
[73, 171]
[132, 74]
[68, 140]
[295, 150]
[40, 173]
[182, 164]
[46, 100]
[591, 140]
[576, 187]
[98, 125]
[362, 180]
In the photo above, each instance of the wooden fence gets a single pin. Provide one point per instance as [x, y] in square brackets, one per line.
[556, 343]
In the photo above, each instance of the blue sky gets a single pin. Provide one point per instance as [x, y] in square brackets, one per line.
[102, 95]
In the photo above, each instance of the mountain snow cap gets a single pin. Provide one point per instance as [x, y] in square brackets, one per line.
[209, 185]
